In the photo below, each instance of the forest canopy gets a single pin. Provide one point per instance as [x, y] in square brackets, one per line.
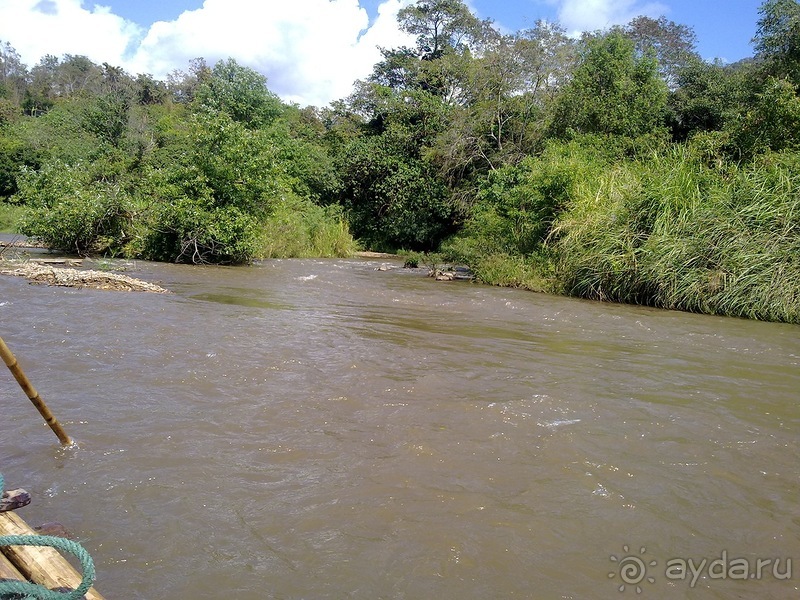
[619, 165]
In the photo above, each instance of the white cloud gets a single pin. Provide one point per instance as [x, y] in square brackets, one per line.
[38, 27]
[311, 50]
[590, 15]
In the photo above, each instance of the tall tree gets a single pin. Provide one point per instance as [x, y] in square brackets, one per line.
[614, 91]
[13, 73]
[440, 26]
[777, 38]
[673, 45]
[701, 100]
[42, 89]
[241, 92]
[183, 86]
[508, 89]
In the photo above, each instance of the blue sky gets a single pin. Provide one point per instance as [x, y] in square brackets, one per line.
[313, 50]
[724, 29]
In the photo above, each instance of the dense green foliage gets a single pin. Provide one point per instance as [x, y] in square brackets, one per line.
[619, 166]
[613, 91]
[124, 168]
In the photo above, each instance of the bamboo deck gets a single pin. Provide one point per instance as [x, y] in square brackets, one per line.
[42, 565]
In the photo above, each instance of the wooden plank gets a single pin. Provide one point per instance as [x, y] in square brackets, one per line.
[44, 566]
[8, 570]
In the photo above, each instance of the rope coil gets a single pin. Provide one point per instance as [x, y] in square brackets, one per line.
[23, 590]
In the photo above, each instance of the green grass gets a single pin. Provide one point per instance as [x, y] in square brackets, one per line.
[9, 217]
[670, 229]
[673, 233]
[303, 230]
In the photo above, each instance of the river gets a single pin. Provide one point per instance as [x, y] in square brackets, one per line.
[313, 429]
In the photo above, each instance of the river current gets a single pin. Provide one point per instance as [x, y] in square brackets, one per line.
[309, 429]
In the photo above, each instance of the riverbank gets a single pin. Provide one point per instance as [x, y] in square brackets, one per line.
[667, 230]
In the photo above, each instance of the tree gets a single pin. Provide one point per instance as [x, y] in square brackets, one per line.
[613, 91]
[183, 86]
[772, 122]
[69, 210]
[240, 92]
[547, 58]
[76, 74]
[106, 116]
[42, 90]
[441, 26]
[777, 39]
[672, 45]
[149, 91]
[702, 99]
[393, 200]
[448, 34]
[208, 204]
[508, 90]
[13, 74]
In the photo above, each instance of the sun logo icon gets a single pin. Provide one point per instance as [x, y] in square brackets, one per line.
[632, 569]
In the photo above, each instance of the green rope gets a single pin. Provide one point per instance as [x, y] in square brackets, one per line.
[23, 590]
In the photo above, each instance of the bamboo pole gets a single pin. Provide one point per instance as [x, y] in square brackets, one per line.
[42, 565]
[33, 395]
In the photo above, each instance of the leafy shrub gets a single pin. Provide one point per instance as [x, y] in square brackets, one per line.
[517, 205]
[14, 154]
[67, 211]
[186, 231]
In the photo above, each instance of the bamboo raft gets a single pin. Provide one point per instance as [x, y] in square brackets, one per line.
[40, 565]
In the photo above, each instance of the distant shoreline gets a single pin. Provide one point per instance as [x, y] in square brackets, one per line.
[375, 255]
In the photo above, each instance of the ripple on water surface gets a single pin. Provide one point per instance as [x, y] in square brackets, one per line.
[320, 429]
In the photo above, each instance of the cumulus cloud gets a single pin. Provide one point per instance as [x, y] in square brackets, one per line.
[590, 15]
[38, 27]
[310, 50]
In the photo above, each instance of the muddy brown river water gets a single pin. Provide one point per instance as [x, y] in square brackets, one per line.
[317, 429]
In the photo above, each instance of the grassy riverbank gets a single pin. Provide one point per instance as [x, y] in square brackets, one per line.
[673, 229]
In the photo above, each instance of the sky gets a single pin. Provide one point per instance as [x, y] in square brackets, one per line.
[312, 51]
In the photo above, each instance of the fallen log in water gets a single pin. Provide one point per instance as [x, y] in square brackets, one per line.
[42, 565]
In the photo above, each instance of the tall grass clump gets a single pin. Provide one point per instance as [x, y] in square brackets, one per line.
[301, 229]
[672, 232]
[10, 215]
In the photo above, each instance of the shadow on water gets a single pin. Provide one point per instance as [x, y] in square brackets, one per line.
[241, 297]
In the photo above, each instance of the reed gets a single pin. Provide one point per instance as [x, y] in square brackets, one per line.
[304, 230]
[672, 232]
